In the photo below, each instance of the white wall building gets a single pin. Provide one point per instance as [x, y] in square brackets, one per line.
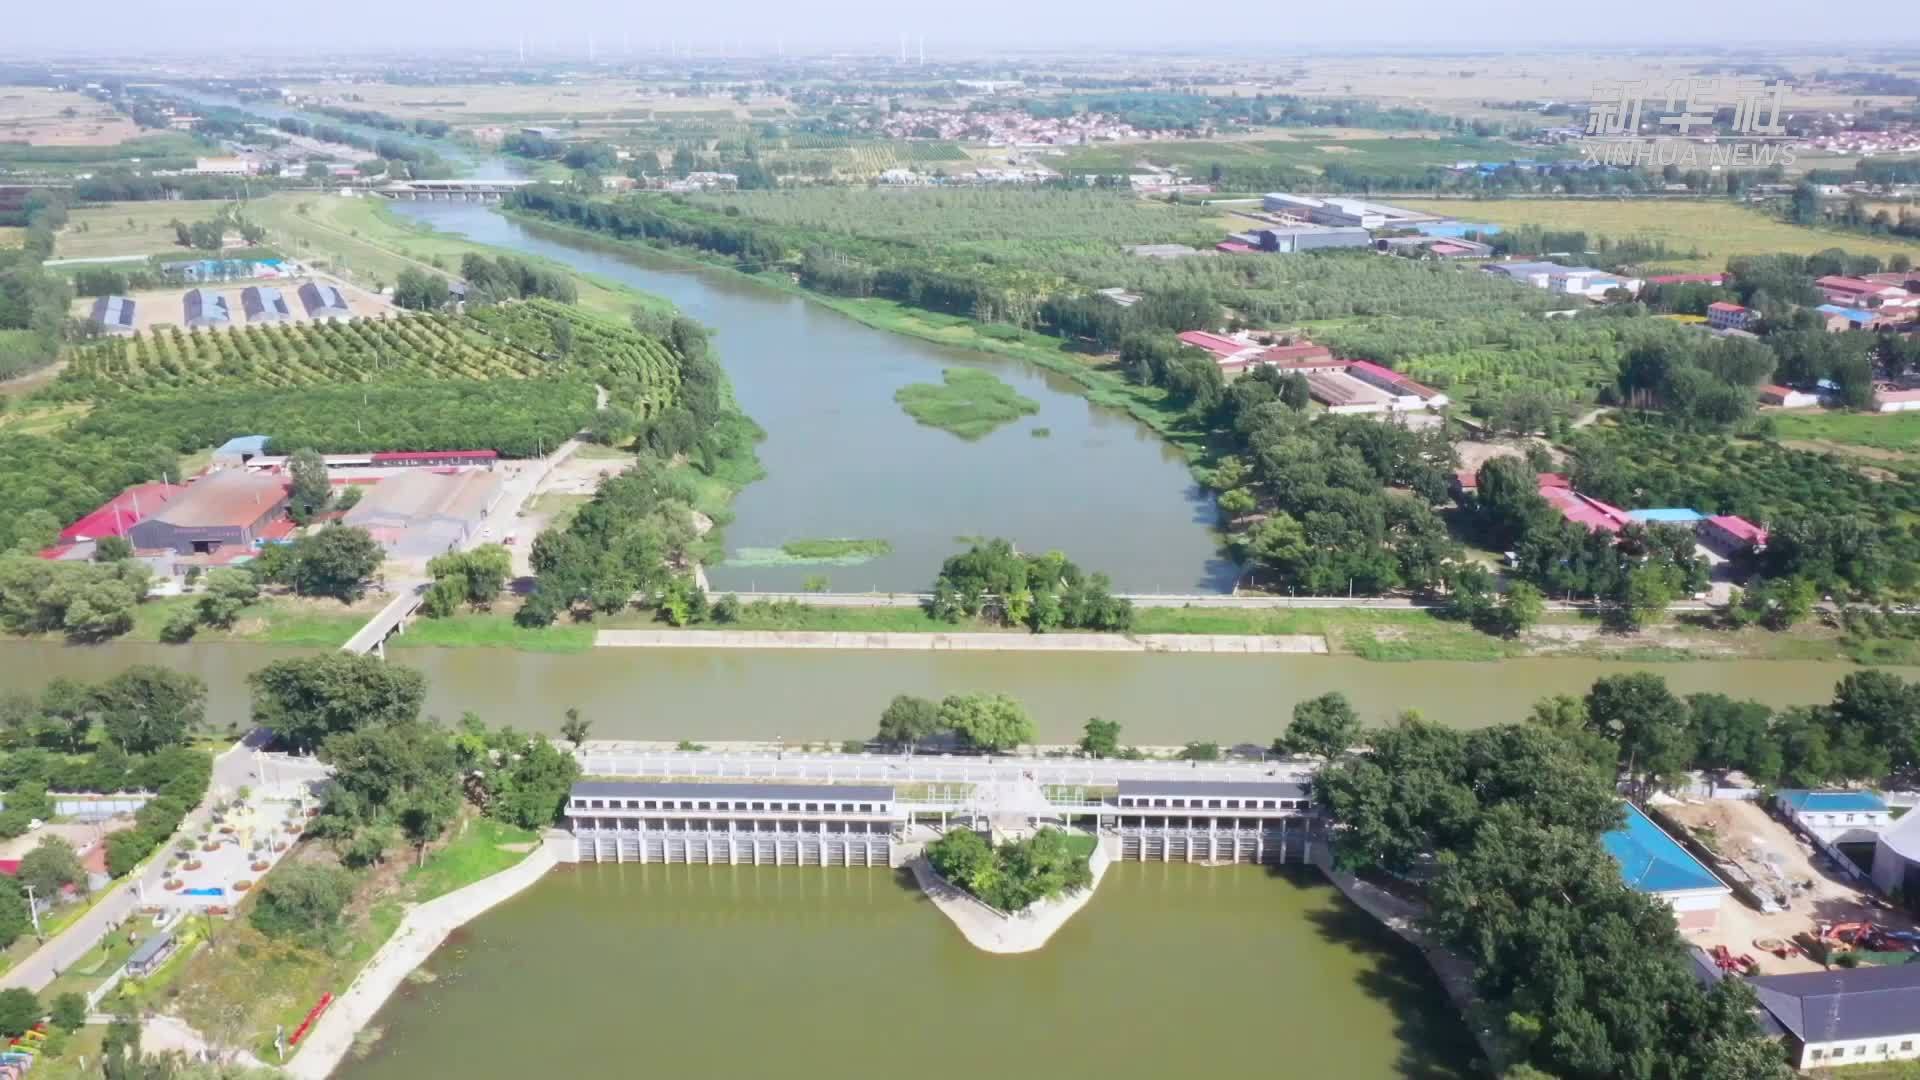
[1838, 817]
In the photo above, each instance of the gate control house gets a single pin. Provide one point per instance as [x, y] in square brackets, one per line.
[1211, 821]
[753, 824]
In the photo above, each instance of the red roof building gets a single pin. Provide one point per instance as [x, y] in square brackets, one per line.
[1734, 532]
[1223, 348]
[122, 512]
[1304, 353]
[1585, 510]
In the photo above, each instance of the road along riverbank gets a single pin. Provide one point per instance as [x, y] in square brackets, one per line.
[983, 642]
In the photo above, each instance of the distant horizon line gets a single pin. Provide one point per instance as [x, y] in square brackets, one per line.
[950, 49]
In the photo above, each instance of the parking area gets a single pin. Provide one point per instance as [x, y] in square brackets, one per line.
[1775, 858]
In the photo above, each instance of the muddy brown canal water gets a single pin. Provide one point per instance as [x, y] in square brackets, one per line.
[723, 972]
[819, 695]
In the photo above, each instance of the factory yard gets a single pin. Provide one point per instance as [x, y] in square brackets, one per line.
[1747, 835]
[164, 307]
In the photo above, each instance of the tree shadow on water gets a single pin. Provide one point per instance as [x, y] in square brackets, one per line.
[1435, 1043]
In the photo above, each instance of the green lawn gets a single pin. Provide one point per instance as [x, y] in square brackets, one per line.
[273, 621]
[1893, 431]
[968, 402]
[134, 228]
[476, 853]
[495, 630]
[273, 983]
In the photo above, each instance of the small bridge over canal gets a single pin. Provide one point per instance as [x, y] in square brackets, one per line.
[452, 190]
[388, 621]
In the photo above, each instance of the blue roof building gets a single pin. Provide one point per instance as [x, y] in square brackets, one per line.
[1831, 801]
[1838, 817]
[1672, 515]
[1856, 316]
[1654, 863]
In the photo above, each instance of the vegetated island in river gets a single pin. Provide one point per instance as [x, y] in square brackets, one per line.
[829, 552]
[1013, 896]
[970, 403]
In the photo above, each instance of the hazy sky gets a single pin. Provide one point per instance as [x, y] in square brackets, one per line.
[976, 25]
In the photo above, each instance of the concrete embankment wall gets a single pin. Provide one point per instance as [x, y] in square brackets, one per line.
[420, 933]
[983, 642]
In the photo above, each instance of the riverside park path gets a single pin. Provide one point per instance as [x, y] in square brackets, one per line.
[240, 766]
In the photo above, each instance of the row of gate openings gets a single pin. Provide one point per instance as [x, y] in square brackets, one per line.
[743, 850]
[1271, 847]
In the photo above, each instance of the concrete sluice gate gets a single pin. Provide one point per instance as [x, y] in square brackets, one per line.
[735, 849]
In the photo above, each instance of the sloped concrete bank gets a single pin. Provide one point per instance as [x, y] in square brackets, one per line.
[962, 642]
[421, 932]
[991, 930]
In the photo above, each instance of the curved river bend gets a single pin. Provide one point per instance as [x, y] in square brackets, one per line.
[843, 459]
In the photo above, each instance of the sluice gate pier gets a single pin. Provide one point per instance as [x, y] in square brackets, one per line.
[806, 810]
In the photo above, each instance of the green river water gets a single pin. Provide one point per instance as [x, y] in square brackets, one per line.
[723, 972]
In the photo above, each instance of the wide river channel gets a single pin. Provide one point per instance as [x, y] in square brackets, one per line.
[724, 972]
[843, 459]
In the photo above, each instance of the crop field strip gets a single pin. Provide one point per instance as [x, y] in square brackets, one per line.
[513, 341]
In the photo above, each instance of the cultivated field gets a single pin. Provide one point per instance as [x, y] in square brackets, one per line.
[1718, 230]
[42, 117]
[1462, 83]
[492, 104]
[1305, 149]
[363, 241]
[417, 347]
[133, 228]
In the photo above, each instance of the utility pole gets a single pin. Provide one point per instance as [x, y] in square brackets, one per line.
[33, 911]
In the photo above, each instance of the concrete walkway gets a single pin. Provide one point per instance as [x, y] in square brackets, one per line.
[961, 642]
[1403, 918]
[421, 932]
[989, 930]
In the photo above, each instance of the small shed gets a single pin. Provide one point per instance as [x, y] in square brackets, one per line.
[205, 308]
[324, 301]
[114, 314]
[150, 954]
[265, 304]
